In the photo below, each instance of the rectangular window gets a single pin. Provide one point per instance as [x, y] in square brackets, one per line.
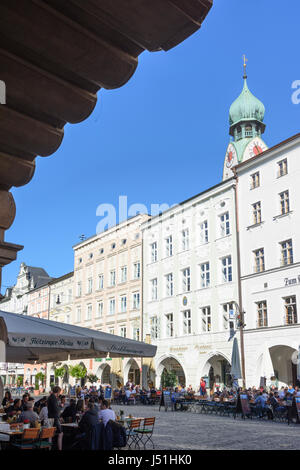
[112, 306]
[169, 325]
[256, 211]
[284, 202]
[204, 232]
[204, 275]
[187, 322]
[206, 319]
[123, 331]
[69, 295]
[123, 274]
[286, 252]
[224, 224]
[228, 313]
[137, 270]
[262, 314]
[89, 312]
[90, 285]
[259, 260]
[254, 180]
[100, 281]
[153, 289]
[153, 252]
[185, 240]
[282, 168]
[111, 331]
[136, 334]
[78, 314]
[169, 246]
[136, 300]
[99, 309]
[79, 289]
[290, 310]
[227, 269]
[169, 285]
[123, 303]
[112, 278]
[186, 280]
[154, 327]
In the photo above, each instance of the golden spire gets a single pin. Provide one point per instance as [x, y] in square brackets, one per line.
[245, 66]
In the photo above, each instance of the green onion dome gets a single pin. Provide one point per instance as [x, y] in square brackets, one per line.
[246, 107]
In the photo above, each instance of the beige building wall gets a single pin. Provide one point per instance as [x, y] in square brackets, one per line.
[108, 292]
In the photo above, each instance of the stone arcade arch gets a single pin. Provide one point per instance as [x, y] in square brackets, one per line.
[284, 359]
[171, 363]
[104, 373]
[132, 372]
[217, 369]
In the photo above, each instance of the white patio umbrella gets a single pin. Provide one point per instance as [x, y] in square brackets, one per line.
[29, 339]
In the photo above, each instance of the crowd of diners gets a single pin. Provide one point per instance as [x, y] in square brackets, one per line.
[88, 405]
[54, 410]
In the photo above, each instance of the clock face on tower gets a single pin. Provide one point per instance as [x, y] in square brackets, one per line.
[230, 161]
[231, 156]
[254, 148]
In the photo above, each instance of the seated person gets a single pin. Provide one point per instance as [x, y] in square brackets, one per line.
[106, 413]
[29, 414]
[69, 413]
[127, 396]
[89, 419]
[80, 406]
[62, 402]
[39, 404]
[7, 400]
[14, 409]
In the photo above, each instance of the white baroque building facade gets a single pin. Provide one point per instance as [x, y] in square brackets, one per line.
[190, 286]
[269, 220]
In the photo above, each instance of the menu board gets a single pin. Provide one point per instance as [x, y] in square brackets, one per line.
[167, 400]
[245, 405]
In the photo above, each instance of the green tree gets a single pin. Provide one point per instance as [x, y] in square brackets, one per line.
[92, 378]
[78, 371]
[59, 372]
[169, 379]
[40, 377]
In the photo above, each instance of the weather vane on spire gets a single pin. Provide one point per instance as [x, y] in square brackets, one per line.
[245, 65]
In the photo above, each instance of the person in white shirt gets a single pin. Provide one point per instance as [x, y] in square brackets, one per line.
[106, 413]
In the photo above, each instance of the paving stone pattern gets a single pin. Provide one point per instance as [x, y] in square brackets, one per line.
[186, 430]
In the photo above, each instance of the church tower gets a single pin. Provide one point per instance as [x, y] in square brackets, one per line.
[246, 116]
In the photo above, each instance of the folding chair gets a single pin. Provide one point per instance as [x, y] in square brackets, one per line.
[145, 433]
[45, 438]
[28, 439]
[131, 433]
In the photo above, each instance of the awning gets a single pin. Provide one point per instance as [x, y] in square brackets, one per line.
[29, 339]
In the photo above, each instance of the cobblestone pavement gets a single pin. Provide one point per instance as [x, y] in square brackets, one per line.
[186, 430]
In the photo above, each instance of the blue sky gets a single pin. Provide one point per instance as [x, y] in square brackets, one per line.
[162, 137]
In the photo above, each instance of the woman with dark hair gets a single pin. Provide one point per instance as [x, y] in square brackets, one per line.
[14, 409]
[80, 406]
[7, 400]
[69, 413]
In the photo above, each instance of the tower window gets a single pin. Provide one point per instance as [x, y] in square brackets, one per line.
[248, 131]
[239, 132]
